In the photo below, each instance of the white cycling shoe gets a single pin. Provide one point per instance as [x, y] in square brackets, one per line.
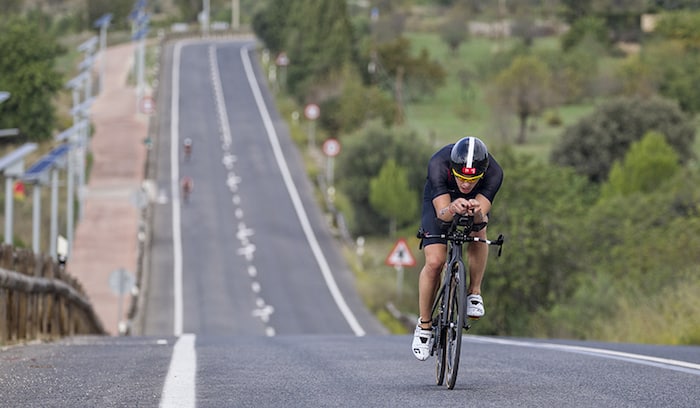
[422, 342]
[475, 306]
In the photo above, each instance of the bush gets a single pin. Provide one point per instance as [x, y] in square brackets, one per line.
[593, 144]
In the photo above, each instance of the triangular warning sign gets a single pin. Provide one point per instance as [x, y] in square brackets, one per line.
[400, 255]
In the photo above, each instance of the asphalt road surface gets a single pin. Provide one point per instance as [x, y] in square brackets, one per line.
[249, 252]
[249, 303]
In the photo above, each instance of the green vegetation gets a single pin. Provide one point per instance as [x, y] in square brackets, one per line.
[600, 201]
[27, 72]
[598, 149]
[390, 195]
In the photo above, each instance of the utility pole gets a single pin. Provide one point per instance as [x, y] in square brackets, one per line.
[235, 15]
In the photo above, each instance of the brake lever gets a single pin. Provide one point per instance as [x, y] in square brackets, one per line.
[500, 241]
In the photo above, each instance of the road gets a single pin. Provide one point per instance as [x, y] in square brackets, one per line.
[340, 371]
[251, 305]
[250, 249]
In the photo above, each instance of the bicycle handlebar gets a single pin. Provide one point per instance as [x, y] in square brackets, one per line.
[459, 230]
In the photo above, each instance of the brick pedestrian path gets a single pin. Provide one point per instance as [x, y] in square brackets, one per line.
[106, 237]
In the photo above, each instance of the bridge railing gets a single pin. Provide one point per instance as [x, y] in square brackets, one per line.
[39, 300]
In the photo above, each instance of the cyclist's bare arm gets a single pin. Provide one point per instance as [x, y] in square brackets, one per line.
[442, 207]
[445, 208]
[484, 207]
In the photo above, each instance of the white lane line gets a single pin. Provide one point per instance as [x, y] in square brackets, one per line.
[294, 195]
[175, 190]
[666, 363]
[180, 386]
[219, 96]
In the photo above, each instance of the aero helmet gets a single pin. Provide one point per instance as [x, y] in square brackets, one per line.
[469, 158]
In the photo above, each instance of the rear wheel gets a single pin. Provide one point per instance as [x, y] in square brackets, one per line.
[456, 312]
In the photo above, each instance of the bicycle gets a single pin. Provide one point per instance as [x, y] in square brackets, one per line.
[187, 187]
[187, 145]
[449, 308]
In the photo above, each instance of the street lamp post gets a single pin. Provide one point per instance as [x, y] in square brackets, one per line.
[12, 166]
[103, 23]
[38, 175]
[73, 136]
[205, 17]
[140, 27]
[235, 14]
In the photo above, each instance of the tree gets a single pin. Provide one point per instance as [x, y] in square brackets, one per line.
[678, 80]
[420, 74]
[680, 25]
[270, 24]
[586, 29]
[593, 144]
[455, 31]
[523, 89]
[539, 215]
[636, 78]
[645, 163]
[189, 9]
[391, 196]
[11, 6]
[27, 72]
[318, 39]
[120, 10]
[355, 105]
[319, 43]
[364, 155]
[573, 73]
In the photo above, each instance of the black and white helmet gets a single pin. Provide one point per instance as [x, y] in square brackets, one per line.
[469, 158]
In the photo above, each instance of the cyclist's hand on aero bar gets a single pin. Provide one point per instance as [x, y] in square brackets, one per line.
[465, 207]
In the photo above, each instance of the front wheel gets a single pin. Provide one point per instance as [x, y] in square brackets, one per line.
[440, 334]
[456, 313]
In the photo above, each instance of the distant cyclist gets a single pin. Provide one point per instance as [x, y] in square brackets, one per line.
[187, 187]
[187, 145]
[463, 178]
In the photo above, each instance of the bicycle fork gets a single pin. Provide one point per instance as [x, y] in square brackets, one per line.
[440, 305]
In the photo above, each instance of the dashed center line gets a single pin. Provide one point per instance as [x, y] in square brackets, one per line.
[243, 233]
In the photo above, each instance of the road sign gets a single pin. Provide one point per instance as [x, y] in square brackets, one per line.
[121, 281]
[312, 111]
[282, 60]
[400, 255]
[148, 105]
[331, 147]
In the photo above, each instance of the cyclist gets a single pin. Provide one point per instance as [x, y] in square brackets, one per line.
[187, 144]
[187, 187]
[463, 178]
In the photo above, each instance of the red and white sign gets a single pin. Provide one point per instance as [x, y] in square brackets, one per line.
[282, 60]
[148, 105]
[312, 111]
[331, 147]
[400, 255]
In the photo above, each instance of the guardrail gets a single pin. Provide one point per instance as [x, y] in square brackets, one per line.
[39, 300]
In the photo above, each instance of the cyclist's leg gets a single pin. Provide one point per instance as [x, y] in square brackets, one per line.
[435, 251]
[429, 279]
[478, 256]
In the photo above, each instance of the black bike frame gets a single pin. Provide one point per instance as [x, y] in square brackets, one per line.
[457, 234]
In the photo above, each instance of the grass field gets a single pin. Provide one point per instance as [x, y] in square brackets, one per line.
[455, 111]
[450, 114]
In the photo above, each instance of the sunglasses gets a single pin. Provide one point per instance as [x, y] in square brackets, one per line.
[472, 179]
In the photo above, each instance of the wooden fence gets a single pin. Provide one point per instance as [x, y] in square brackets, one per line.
[39, 300]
